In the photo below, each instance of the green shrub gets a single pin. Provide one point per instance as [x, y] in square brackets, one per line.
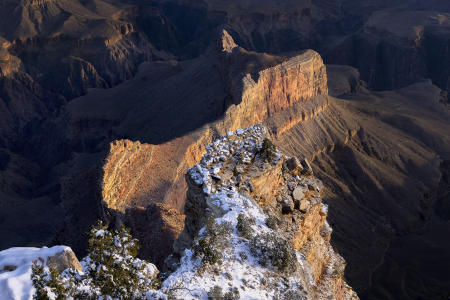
[47, 282]
[110, 270]
[268, 150]
[216, 293]
[209, 248]
[112, 267]
[206, 251]
[244, 227]
[274, 251]
[272, 222]
[232, 294]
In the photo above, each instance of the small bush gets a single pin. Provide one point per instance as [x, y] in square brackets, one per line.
[48, 283]
[274, 251]
[110, 271]
[215, 293]
[209, 247]
[268, 150]
[272, 222]
[217, 231]
[244, 227]
[243, 255]
[206, 251]
[232, 294]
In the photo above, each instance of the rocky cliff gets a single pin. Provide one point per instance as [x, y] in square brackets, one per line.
[378, 153]
[294, 81]
[255, 228]
[351, 151]
[255, 222]
[272, 90]
[130, 168]
[316, 126]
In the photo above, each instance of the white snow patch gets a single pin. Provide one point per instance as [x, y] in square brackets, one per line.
[15, 270]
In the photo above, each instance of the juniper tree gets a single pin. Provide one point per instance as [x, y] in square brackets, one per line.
[110, 270]
[111, 263]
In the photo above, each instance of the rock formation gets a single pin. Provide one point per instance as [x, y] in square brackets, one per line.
[238, 233]
[235, 208]
[65, 161]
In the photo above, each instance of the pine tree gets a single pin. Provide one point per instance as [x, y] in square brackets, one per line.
[110, 270]
[112, 264]
[49, 284]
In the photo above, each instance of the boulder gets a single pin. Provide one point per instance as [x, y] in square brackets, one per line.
[298, 193]
[304, 205]
[64, 260]
[287, 205]
[294, 166]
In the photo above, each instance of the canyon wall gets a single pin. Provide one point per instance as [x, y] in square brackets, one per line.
[140, 174]
[275, 89]
[61, 157]
[294, 82]
[386, 185]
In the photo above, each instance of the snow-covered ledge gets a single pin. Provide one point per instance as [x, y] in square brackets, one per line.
[15, 268]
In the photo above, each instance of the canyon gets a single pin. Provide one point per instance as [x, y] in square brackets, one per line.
[105, 105]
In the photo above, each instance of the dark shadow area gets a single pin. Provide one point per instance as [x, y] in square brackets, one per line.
[404, 238]
[152, 74]
[156, 228]
[423, 251]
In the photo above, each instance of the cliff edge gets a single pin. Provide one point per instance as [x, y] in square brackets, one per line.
[255, 227]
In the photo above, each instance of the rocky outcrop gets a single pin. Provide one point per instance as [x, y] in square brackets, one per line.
[242, 166]
[64, 260]
[236, 234]
[294, 82]
[9, 64]
[130, 168]
[261, 94]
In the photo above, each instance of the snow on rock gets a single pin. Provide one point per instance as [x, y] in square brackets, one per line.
[254, 260]
[15, 270]
[239, 242]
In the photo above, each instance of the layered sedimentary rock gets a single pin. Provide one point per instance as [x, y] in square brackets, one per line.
[352, 152]
[295, 81]
[52, 155]
[272, 90]
[137, 174]
[226, 189]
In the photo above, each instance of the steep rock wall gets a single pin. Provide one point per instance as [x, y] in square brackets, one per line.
[141, 174]
[294, 82]
[269, 91]
[377, 156]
